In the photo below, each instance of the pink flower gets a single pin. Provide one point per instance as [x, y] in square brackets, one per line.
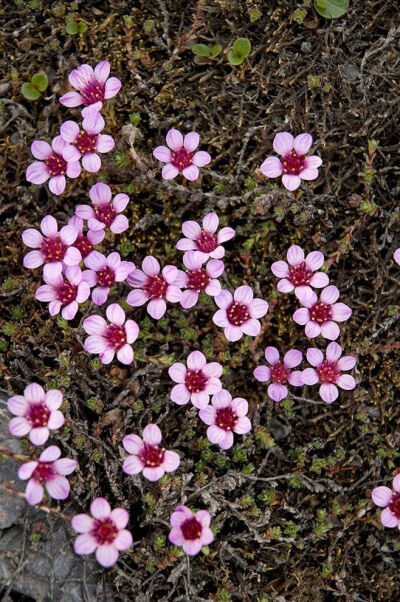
[37, 413]
[104, 532]
[238, 314]
[104, 272]
[49, 472]
[53, 246]
[84, 243]
[320, 317]
[280, 373]
[104, 212]
[225, 417]
[54, 162]
[328, 371]
[93, 86]
[205, 239]
[198, 279]
[191, 531]
[294, 164]
[299, 273]
[196, 381]
[181, 158]
[154, 287]
[390, 500]
[147, 456]
[396, 256]
[113, 338]
[88, 140]
[65, 294]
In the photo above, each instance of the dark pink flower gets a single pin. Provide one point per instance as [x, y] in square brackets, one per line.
[390, 500]
[320, 316]
[103, 532]
[280, 373]
[115, 337]
[396, 256]
[147, 456]
[55, 162]
[88, 140]
[61, 293]
[299, 273]
[225, 417]
[206, 240]
[238, 314]
[49, 472]
[293, 164]
[196, 381]
[104, 213]
[153, 287]
[180, 156]
[85, 243]
[37, 413]
[93, 86]
[328, 371]
[52, 246]
[104, 272]
[191, 531]
[198, 279]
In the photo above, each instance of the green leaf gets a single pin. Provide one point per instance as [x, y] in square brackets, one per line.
[234, 59]
[215, 50]
[241, 47]
[201, 50]
[331, 9]
[30, 92]
[39, 81]
[72, 28]
[82, 27]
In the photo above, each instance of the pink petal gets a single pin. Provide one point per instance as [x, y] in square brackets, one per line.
[346, 381]
[152, 434]
[17, 405]
[39, 436]
[382, 496]
[180, 394]
[271, 355]
[115, 314]
[319, 280]
[284, 286]
[173, 294]
[330, 294]
[240, 406]
[204, 518]
[223, 299]
[54, 307]
[396, 483]
[34, 492]
[65, 466]
[347, 362]
[82, 523]
[107, 555]
[191, 141]
[34, 393]
[243, 294]
[32, 238]
[107, 356]
[72, 256]
[91, 162]
[277, 392]
[213, 385]
[212, 369]
[225, 234]
[69, 311]
[157, 308]
[153, 474]
[313, 161]
[233, 333]
[171, 461]
[177, 372]
[301, 316]
[215, 434]
[243, 426]
[200, 400]
[312, 330]
[283, 143]
[207, 414]
[309, 174]
[309, 376]
[328, 392]
[314, 260]
[196, 360]
[306, 296]
[191, 229]
[69, 130]
[120, 517]
[85, 544]
[132, 465]
[71, 99]
[302, 143]
[25, 471]
[227, 441]
[57, 185]
[56, 420]
[210, 222]
[37, 173]
[132, 443]
[185, 244]
[100, 508]
[341, 312]
[191, 173]
[50, 454]
[295, 255]
[102, 71]
[291, 182]
[123, 541]
[174, 139]
[207, 535]
[150, 266]
[58, 488]
[162, 153]
[200, 159]
[315, 356]
[84, 211]
[94, 325]
[330, 331]
[388, 519]
[40, 149]
[215, 268]
[219, 318]
[93, 122]
[125, 355]
[262, 373]
[120, 202]
[137, 298]
[120, 224]
[292, 358]
[175, 537]
[296, 379]
[333, 352]
[105, 143]
[95, 344]
[271, 167]
[112, 87]
[191, 548]
[396, 256]
[222, 399]
[169, 171]
[280, 269]
[100, 193]
[132, 331]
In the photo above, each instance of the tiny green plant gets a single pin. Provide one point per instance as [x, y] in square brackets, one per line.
[33, 89]
[208, 52]
[75, 27]
[239, 51]
[331, 9]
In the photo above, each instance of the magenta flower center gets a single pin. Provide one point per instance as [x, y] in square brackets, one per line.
[37, 414]
[195, 381]
[328, 372]
[53, 249]
[85, 142]
[83, 245]
[92, 92]
[105, 213]
[152, 455]
[105, 276]
[293, 163]
[226, 418]
[237, 313]
[43, 472]
[56, 164]
[394, 505]
[66, 293]
[115, 335]
[321, 312]
[206, 242]
[104, 531]
[191, 529]
[299, 275]
[279, 373]
[181, 158]
[155, 287]
[197, 279]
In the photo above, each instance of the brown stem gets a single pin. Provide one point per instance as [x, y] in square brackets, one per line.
[21, 494]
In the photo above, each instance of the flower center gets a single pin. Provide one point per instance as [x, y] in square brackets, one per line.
[56, 165]
[237, 313]
[92, 92]
[299, 275]
[394, 505]
[328, 372]
[66, 293]
[85, 142]
[191, 528]
[293, 163]
[53, 249]
[115, 335]
[38, 414]
[44, 471]
[206, 242]
[155, 287]
[279, 374]
[181, 158]
[152, 455]
[82, 243]
[226, 418]
[105, 213]
[197, 279]
[105, 276]
[321, 312]
[104, 530]
[195, 381]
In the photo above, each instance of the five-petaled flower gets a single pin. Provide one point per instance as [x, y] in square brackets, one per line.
[190, 530]
[390, 500]
[299, 273]
[196, 381]
[205, 239]
[94, 86]
[54, 162]
[104, 213]
[147, 456]
[225, 417]
[180, 156]
[320, 316]
[280, 373]
[115, 337]
[85, 242]
[52, 246]
[49, 471]
[104, 272]
[36, 413]
[103, 532]
[88, 140]
[61, 293]
[293, 164]
[328, 371]
[198, 279]
[238, 314]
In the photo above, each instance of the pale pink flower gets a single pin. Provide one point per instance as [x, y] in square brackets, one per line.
[88, 140]
[329, 371]
[320, 316]
[115, 337]
[52, 246]
[153, 286]
[54, 162]
[104, 272]
[299, 273]
[206, 240]
[104, 211]
[238, 314]
[94, 86]
[280, 373]
[85, 242]
[61, 293]
[225, 417]
[103, 532]
[36, 413]
[49, 472]
[396, 256]
[147, 456]
[191, 531]
[198, 279]
[294, 164]
[196, 381]
[180, 156]
[390, 500]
